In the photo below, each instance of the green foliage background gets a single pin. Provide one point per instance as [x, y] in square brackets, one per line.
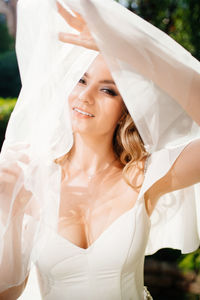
[10, 82]
[6, 41]
[180, 19]
[6, 107]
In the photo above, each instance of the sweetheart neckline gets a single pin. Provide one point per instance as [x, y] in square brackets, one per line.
[85, 250]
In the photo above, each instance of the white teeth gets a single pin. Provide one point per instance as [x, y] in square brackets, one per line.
[82, 112]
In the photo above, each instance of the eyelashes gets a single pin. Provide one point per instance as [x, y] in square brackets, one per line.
[111, 92]
[82, 81]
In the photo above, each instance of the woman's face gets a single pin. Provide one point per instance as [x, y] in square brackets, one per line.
[96, 94]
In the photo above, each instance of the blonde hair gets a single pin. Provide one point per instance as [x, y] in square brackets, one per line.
[128, 147]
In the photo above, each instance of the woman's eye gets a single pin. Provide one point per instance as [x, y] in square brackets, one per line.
[107, 91]
[82, 81]
[110, 92]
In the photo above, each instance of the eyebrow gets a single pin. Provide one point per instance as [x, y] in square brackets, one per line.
[102, 81]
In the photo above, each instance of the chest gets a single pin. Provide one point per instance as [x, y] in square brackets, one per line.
[88, 210]
[120, 246]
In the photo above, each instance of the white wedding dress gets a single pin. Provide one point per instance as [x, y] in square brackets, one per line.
[113, 270]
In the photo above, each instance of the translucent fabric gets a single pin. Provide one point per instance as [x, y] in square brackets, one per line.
[159, 82]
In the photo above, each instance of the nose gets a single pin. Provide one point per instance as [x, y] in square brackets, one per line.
[86, 96]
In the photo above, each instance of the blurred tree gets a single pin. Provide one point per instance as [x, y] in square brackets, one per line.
[194, 21]
[7, 41]
[9, 74]
[178, 18]
[10, 82]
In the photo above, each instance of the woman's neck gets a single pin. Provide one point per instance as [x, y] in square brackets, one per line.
[92, 153]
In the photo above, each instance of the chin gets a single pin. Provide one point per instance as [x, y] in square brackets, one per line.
[81, 129]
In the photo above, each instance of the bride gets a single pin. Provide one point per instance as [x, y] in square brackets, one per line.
[103, 227]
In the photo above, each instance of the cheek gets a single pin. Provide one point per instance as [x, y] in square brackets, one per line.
[107, 118]
[71, 98]
[112, 112]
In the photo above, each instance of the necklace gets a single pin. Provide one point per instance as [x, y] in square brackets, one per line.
[91, 176]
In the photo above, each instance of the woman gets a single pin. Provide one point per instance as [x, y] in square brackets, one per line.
[105, 198]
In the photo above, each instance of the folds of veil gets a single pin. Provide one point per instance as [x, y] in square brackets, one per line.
[49, 70]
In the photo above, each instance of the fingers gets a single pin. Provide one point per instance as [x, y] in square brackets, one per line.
[68, 38]
[62, 10]
[10, 168]
[9, 174]
[9, 149]
[11, 156]
[75, 22]
[19, 146]
[72, 39]
[7, 177]
[15, 153]
[64, 13]
[77, 40]
[77, 14]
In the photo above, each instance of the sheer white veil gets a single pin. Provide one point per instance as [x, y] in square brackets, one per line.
[136, 53]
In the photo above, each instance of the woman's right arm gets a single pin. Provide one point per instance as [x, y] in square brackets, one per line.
[14, 292]
[12, 264]
[13, 267]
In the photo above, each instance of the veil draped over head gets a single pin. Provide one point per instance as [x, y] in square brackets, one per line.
[141, 60]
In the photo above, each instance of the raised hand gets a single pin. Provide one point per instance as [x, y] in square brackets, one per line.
[10, 171]
[83, 39]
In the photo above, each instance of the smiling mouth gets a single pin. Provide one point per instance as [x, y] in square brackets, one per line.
[83, 112]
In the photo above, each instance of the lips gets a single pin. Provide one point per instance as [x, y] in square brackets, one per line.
[83, 110]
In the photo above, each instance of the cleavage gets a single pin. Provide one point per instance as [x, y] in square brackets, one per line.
[85, 216]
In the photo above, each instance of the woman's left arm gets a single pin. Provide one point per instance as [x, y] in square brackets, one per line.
[184, 172]
[186, 169]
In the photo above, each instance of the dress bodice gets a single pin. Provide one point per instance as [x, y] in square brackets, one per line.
[110, 269]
